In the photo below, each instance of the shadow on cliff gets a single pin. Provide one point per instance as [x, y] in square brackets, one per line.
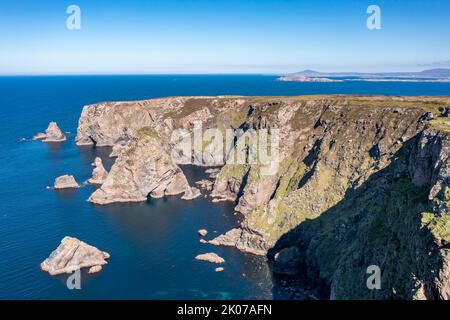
[377, 223]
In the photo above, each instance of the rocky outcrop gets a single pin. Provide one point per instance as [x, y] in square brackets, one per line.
[210, 257]
[95, 269]
[360, 181]
[205, 184]
[145, 169]
[52, 134]
[191, 193]
[202, 232]
[242, 239]
[99, 174]
[73, 254]
[65, 182]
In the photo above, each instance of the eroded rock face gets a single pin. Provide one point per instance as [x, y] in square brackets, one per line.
[95, 269]
[210, 257]
[286, 261]
[73, 254]
[99, 174]
[52, 134]
[65, 182]
[145, 169]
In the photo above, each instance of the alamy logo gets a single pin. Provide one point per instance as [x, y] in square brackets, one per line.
[73, 22]
[74, 280]
[374, 20]
[374, 280]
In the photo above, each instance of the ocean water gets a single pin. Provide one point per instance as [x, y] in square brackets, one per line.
[152, 244]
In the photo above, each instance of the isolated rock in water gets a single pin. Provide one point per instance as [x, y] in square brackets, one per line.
[73, 254]
[203, 241]
[243, 239]
[52, 134]
[95, 269]
[191, 193]
[219, 269]
[202, 232]
[99, 174]
[144, 169]
[210, 257]
[65, 182]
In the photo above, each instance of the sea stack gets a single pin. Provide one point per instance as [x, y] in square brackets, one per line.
[73, 254]
[52, 134]
[99, 174]
[65, 182]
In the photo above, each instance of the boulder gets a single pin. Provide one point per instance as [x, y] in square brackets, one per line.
[202, 232]
[191, 193]
[95, 269]
[99, 174]
[73, 254]
[65, 182]
[210, 257]
[219, 269]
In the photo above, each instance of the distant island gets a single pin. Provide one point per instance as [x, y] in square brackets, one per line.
[431, 75]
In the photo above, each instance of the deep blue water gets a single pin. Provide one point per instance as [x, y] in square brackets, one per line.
[153, 244]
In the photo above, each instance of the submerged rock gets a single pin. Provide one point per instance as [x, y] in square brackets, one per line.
[66, 182]
[52, 134]
[210, 257]
[99, 174]
[73, 254]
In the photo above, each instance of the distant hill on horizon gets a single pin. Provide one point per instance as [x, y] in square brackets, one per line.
[429, 75]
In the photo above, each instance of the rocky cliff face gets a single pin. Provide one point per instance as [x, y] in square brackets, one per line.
[144, 169]
[361, 181]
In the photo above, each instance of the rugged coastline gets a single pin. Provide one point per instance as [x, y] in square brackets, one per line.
[362, 181]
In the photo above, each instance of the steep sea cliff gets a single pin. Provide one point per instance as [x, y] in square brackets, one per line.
[361, 181]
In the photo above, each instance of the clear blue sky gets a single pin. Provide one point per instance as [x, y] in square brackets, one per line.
[215, 36]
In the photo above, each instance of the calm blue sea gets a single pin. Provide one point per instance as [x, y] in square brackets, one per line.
[153, 244]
